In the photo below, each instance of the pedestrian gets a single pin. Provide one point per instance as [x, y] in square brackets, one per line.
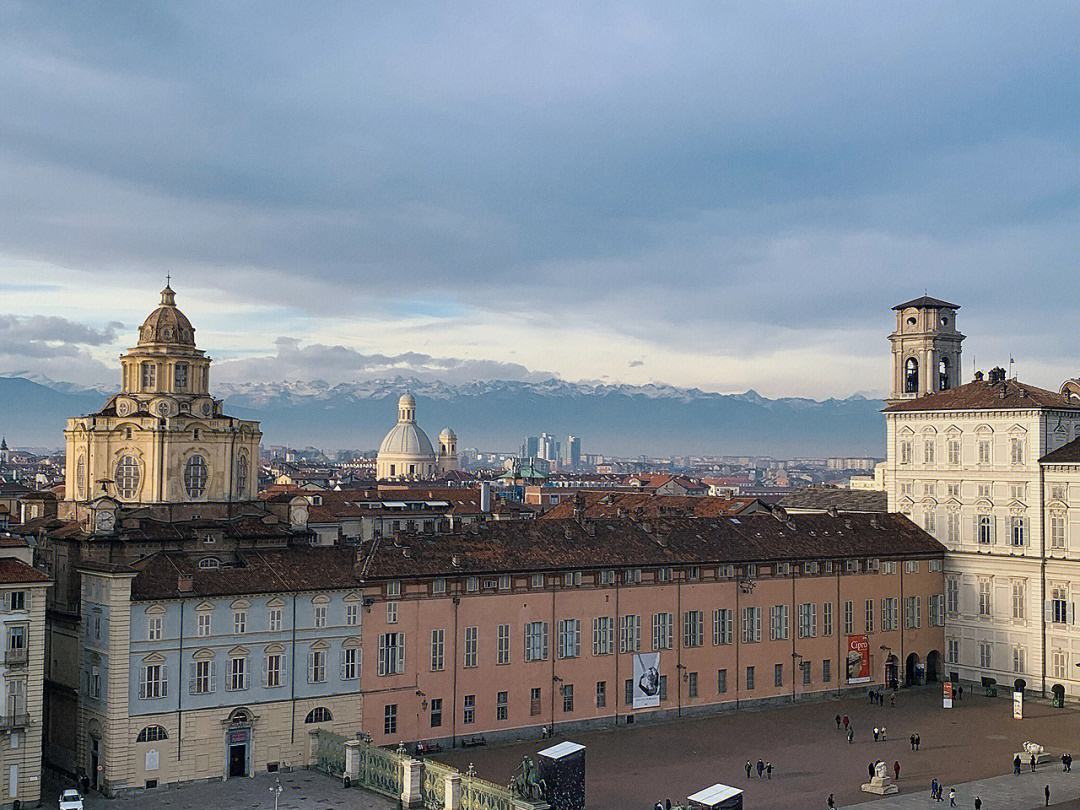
[960, 693]
[846, 722]
[940, 792]
[837, 722]
[830, 802]
[1068, 763]
[911, 740]
[884, 734]
[918, 742]
[870, 769]
[1063, 768]
[870, 694]
[896, 769]
[1016, 765]
[667, 804]
[1033, 761]
[760, 768]
[1046, 793]
[952, 797]
[876, 733]
[933, 788]
[658, 806]
[850, 736]
[892, 699]
[768, 770]
[749, 768]
[978, 803]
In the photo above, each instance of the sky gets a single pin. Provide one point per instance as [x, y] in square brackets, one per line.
[717, 195]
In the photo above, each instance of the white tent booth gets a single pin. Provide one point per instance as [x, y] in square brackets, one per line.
[717, 797]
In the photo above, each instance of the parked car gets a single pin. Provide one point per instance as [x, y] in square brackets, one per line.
[71, 800]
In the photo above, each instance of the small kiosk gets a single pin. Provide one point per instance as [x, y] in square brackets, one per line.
[562, 767]
[717, 797]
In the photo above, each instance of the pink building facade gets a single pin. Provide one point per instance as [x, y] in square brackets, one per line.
[503, 630]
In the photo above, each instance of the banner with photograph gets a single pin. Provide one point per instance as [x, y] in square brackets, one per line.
[858, 659]
[947, 694]
[646, 680]
[1018, 705]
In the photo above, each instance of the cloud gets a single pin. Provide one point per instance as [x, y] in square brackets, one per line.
[764, 179]
[635, 363]
[26, 331]
[292, 361]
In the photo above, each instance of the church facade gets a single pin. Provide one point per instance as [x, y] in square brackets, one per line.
[990, 469]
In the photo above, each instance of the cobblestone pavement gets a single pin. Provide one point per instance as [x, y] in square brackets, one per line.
[997, 793]
[632, 767]
[303, 790]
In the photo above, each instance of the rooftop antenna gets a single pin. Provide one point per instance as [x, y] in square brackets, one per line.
[1011, 361]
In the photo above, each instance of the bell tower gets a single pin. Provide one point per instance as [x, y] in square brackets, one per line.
[925, 349]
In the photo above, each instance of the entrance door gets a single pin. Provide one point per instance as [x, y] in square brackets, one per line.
[94, 743]
[238, 759]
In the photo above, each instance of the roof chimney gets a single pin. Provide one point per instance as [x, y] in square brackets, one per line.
[485, 496]
[185, 583]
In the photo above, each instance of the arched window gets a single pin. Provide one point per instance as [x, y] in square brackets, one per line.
[80, 477]
[943, 374]
[209, 563]
[152, 734]
[911, 376]
[319, 714]
[241, 475]
[127, 477]
[195, 476]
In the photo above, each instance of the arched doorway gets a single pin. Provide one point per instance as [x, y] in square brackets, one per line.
[892, 666]
[95, 749]
[1059, 695]
[238, 741]
[912, 670]
[933, 666]
[1019, 685]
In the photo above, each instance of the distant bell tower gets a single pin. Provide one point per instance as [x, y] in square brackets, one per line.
[925, 349]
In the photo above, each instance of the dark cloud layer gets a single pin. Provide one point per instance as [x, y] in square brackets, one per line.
[748, 175]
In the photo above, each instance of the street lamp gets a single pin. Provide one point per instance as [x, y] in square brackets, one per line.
[795, 659]
[276, 789]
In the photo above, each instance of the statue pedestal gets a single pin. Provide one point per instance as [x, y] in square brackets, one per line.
[1041, 758]
[880, 785]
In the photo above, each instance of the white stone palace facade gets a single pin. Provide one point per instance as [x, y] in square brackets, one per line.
[992, 469]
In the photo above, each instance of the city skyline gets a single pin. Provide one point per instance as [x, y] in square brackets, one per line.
[471, 195]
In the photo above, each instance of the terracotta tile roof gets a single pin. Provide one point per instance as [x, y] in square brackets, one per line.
[551, 545]
[1009, 395]
[1066, 454]
[600, 504]
[14, 571]
[265, 571]
[927, 302]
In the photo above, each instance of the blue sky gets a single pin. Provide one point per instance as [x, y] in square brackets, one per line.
[719, 195]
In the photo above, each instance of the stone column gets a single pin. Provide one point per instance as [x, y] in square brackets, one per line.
[352, 759]
[452, 792]
[412, 769]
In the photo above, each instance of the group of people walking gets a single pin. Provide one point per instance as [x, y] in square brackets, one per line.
[764, 769]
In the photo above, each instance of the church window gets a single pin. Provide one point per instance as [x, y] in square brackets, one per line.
[180, 377]
[195, 476]
[241, 475]
[80, 477]
[149, 376]
[943, 374]
[911, 376]
[127, 477]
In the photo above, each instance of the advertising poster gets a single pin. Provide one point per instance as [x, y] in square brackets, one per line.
[1018, 705]
[946, 695]
[858, 659]
[646, 680]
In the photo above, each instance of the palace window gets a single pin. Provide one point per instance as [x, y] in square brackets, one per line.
[1019, 660]
[274, 672]
[693, 628]
[986, 654]
[317, 663]
[1059, 606]
[778, 622]
[751, 625]
[953, 447]
[154, 682]
[1057, 530]
[985, 603]
[629, 633]
[350, 663]
[1019, 599]
[986, 529]
[152, 734]
[1017, 532]
[320, 714]
[438, 649]
[502, 644]
[391, 654]
[471, 646]
[661, 631]
[603, 636]
[722, 626]
[1016, 450]
[536, 641]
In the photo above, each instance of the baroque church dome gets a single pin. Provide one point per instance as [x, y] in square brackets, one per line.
[406, 439]
[167, 324]
[406, 452]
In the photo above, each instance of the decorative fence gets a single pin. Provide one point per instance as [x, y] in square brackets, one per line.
[395, 773]
[480, 794]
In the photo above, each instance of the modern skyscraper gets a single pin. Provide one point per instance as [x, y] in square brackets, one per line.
[573, 450]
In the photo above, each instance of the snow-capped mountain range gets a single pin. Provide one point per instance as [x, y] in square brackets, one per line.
[498, 414]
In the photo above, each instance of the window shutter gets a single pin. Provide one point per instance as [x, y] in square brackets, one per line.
[191, 677]
[1048, 611]
[342, 667]
[5, 602]
[1072, 612]
[993, 529]
[400, 653]
[975, 529]
[164, 680]
[284, 669]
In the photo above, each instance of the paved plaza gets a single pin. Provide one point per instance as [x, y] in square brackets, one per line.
[633, 767]
[303, 790]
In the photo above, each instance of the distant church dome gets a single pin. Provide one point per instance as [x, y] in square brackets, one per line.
[167, 324]
[447, 433]
[406, 452]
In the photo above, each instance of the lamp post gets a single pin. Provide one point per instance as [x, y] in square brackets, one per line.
[276, 789]
[795, 659]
